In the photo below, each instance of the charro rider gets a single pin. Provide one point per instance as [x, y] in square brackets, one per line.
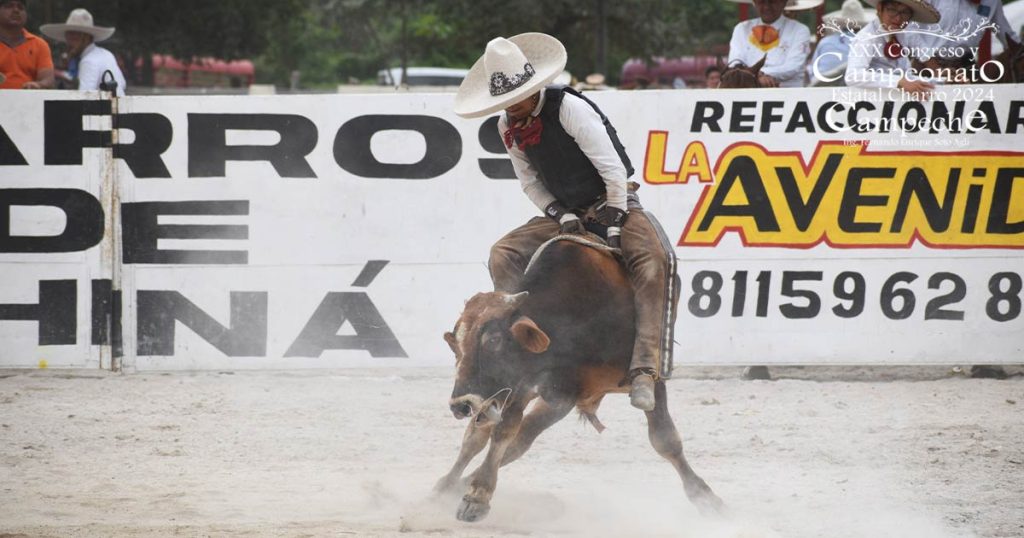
[938, 51]
[572, 167]
[877, 57]
[785, 41]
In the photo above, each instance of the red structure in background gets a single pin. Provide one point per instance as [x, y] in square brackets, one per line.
[662, 72]
[170, 72]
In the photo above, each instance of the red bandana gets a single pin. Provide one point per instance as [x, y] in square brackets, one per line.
[764, 37]
[893, 48]
[524, 136]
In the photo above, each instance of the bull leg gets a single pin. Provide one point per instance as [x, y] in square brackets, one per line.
[665, 439]
[477, 501]
[473, 441]
[541, 417]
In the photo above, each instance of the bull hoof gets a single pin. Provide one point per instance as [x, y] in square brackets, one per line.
[471, 511]
[450, 485]
[709, 505]
[444, 485]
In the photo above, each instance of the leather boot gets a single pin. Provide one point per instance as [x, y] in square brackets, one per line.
[641, 391]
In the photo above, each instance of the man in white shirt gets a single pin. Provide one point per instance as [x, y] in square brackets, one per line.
[960, 14]
[574, 169]
[94, 62]
[877, 54]
[785, 41]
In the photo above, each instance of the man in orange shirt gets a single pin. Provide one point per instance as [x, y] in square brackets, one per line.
[25, 61]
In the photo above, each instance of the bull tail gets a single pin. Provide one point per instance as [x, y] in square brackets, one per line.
[591, 417]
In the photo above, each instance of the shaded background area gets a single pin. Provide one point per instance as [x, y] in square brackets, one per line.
[318, 44]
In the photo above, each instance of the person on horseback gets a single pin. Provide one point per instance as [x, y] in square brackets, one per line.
[877, 58]
[572, 166]
[785, 41]
[937, 52]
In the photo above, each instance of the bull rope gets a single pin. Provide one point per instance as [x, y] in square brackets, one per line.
[583, 240]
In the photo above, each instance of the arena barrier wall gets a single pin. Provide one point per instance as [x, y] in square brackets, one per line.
[328, 231]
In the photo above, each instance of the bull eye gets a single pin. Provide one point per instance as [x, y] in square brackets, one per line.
[491, 340]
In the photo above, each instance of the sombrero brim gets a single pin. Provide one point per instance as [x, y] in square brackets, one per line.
[803, 5]
[842, 18]
[923, 11]
[57, 31]
[547, 56]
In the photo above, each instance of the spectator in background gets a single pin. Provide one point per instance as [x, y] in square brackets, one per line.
[25, 61]
[955, 15]
[876, 54]
[712, 76]
[785, 41]
[833, 50]
[594, 81]
[93, 62]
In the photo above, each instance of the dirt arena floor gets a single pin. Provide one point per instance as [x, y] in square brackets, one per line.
[818, 452]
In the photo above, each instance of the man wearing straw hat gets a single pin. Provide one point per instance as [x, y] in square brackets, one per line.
[939, 52]
[94, 62]
[25, 61]
[786, 43]
[569, 165]
[878, 58]
[833, 50]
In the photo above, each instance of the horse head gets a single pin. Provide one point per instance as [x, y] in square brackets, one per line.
[741, 76]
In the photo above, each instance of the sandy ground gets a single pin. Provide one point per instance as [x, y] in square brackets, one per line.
[855, 452]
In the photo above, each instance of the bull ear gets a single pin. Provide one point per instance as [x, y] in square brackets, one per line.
[756, 68]
[529, 335]
[450, 338]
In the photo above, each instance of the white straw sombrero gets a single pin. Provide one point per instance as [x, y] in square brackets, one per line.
[803, 5]
[509, 71]
[80, 20]
[852, 13]
[790, 4]
[923, 11]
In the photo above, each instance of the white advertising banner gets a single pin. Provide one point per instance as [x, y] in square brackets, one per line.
[812, 226]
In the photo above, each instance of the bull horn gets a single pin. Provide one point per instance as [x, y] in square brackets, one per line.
[517, 298]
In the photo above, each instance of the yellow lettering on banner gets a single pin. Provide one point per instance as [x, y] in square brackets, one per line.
[847, 197]
[695, 162]
[654, 160]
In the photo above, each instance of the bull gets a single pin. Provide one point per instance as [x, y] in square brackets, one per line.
[564, 341]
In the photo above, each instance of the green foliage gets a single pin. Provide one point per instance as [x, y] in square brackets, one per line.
[228, 29]
[333, 41]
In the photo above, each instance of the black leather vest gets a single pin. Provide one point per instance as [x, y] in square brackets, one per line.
[561, 165]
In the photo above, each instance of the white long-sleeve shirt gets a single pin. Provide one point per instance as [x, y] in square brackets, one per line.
[868, 66]
[785, 61]
[955, 14]
[91, 66]
[581, 122]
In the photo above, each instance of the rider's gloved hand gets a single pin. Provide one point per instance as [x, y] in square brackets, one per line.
[614, 218]
[614, 237]
[571, 224]
[568, 222]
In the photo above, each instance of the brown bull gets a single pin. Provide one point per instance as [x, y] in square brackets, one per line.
[565, 341]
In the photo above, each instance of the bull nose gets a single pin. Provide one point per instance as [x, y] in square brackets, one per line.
[461, 410]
